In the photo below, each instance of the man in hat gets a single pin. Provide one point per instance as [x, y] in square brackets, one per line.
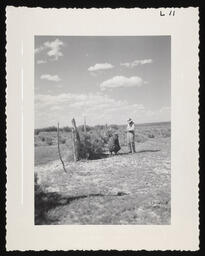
[131, 135]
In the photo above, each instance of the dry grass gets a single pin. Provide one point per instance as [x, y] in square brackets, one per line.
[46, 142]
[46, 154]
[123, 189]
[143, 133]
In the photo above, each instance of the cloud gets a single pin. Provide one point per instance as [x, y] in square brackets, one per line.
[59, 85]
[41, 61]
[39, 49]
[125, 64]
[136, 63]
[98, 109]
[146, 61]
[122, 81]
[56, 108]
[53, 48]
[54, 78]
[100, 66]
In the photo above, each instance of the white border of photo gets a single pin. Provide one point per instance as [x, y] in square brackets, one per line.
[22, 25]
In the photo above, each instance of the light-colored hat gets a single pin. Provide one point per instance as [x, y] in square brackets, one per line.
[129, 120]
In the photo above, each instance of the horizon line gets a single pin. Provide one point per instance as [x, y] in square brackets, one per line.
[105, 124]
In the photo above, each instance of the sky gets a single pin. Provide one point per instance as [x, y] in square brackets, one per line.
[106, 79]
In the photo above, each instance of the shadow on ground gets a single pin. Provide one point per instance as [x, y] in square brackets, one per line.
[148, 150]
[107, 155]
[45, 201]
[139, 151]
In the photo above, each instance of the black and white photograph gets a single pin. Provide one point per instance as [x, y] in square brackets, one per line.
[102, 133]
[102, 129]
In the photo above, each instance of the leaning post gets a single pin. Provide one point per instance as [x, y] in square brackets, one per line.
[76, 140]
[85, 125]
[59, 153]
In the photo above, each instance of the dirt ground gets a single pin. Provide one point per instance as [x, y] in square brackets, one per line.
[122, 189]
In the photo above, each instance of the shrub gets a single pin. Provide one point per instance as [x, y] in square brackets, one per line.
[140, 138]
[38, 189]
[50, 129]
[109, 133]
[43, 138]
[67, 129]
[166, 133]
[114, 126]
[35, 179]
[91, 146]
[36, 131]
[49, 141]
[151, 135]
[99, 127]
[81, 128]
[47, 129]
[41, 202]
[105, 138]
[62, 140]
[69, 157]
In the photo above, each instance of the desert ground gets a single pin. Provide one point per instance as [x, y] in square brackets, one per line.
[120, 189]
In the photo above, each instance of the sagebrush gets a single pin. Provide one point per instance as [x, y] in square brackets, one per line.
[92, 146]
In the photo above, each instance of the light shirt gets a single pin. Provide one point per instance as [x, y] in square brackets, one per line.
[131, 128]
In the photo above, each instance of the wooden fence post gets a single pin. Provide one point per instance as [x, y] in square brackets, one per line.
[59, 153]
[76, 140]
[105, 130]
[73, 142]
[85, 125]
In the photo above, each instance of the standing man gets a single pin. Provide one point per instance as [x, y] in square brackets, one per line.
[131, 135]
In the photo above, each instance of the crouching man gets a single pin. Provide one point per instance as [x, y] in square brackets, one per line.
[113, 144]
[131, 135]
